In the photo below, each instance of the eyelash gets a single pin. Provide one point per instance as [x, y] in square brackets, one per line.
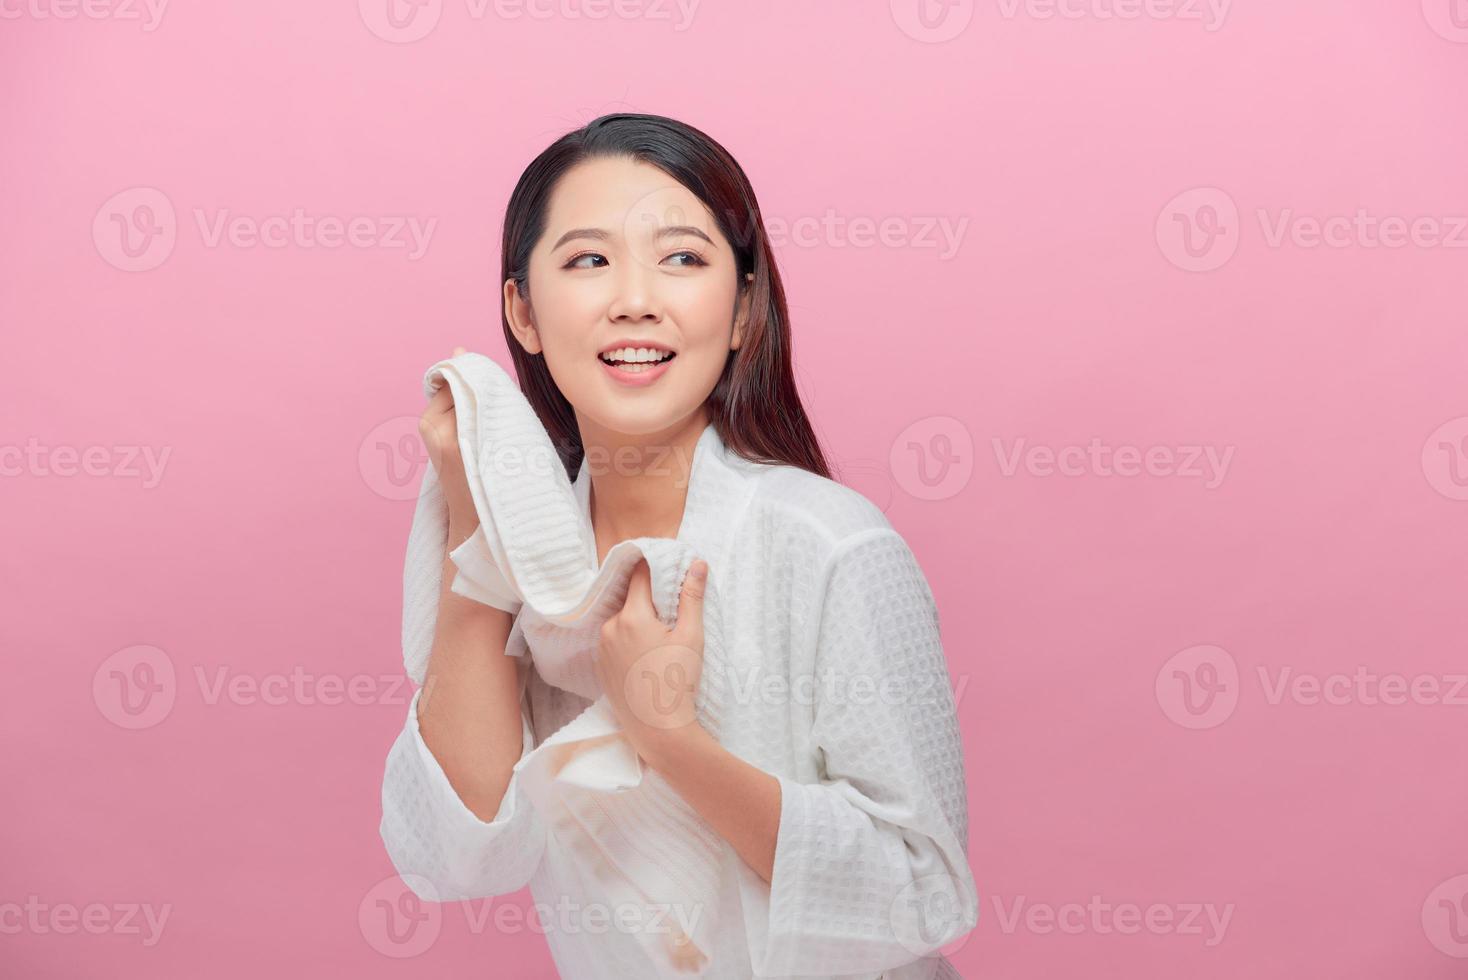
[698, 260]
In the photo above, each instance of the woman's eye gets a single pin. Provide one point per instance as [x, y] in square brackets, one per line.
[693, 260]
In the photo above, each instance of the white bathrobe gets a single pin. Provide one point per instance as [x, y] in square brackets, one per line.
[823, 667]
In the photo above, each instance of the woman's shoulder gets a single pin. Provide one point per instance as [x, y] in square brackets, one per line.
[802, 508]
[810, 534]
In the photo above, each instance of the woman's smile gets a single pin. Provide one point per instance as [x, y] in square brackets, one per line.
[637, 374]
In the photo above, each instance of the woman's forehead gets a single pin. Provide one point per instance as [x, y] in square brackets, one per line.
[622, 199]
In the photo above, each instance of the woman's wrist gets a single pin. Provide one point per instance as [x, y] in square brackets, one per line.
[670, 748]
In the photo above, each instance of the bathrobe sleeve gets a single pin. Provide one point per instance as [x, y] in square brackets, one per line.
[871, 861]
[442, 850]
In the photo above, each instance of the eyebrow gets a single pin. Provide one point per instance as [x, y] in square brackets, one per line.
[602, 235]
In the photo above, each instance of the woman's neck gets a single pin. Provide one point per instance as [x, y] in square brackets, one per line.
[639, 484]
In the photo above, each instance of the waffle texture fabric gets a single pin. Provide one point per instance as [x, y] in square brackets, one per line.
[822, 666]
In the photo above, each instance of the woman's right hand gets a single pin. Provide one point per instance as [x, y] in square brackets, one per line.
[439, 430]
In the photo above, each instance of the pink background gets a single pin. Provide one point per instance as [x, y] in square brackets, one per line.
[1086, 300]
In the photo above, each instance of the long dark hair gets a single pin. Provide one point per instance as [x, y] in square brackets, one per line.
[754, 405]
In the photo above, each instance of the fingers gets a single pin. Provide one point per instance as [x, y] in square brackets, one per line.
[639, 586]
[438, 425]
[695, 580]
[690, 599]
[442, 401]
[690, 596]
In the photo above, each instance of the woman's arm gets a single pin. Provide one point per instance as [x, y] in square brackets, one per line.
[453, 820]
[741, 802]
[871, 864]
[469, 712]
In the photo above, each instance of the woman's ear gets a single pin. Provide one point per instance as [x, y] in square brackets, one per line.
[517, 314]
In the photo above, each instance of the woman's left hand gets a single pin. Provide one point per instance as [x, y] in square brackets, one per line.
[649, 673]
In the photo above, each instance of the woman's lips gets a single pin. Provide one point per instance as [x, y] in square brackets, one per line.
[636, 379]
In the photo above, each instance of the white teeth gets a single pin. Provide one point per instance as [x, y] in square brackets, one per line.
[635, 355]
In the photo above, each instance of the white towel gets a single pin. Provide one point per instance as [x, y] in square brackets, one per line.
[534, 554]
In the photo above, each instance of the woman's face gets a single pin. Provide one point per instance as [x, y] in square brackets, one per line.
[629, 254]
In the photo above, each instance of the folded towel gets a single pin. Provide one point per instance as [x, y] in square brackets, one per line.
[534, 554]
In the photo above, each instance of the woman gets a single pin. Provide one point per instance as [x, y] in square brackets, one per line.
[818, 736]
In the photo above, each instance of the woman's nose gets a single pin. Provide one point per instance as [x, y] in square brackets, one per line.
[635, 297]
